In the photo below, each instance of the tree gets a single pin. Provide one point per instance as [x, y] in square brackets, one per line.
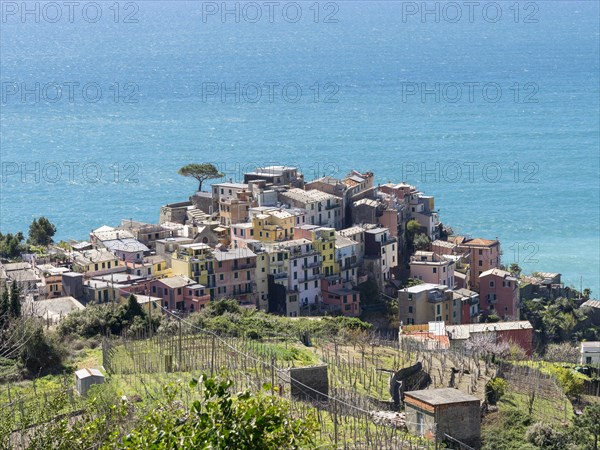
[133, 308]
[40, 354]
[589, 423]
[200, 172]
[14, 305]
[41, 232]
[545, 437]
[515, 269]
[421, 242]
[570, 381]
[221, 419]
[495, 389]
[413, 227]
[10, 245]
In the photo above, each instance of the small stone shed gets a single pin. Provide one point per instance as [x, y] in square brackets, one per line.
[305, 383]
[85, 378]
[444, 411]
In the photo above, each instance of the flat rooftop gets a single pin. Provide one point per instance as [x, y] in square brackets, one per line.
[443, 396]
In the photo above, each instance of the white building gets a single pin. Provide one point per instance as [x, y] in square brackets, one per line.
[322, 209]
[590, 352]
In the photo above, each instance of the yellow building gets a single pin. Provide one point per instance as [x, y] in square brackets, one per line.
[96, 260]
[194, 261]
[272, 226]
[323, 240]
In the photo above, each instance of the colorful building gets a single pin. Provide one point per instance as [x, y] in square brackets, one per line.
[499, 294]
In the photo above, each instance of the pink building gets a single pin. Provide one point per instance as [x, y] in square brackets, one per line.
[180, 293]
[241, 234]
[235, 272]
[484, 255]
[499, 294]
[339, 297]
[431, 268]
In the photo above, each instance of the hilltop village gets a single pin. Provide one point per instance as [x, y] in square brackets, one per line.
[343, 292]
[280, 244]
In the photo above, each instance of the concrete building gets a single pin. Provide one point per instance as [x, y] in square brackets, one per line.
[72, 285]
[50, 285]
[235, 210]
[146, 233]
[95, 262]
[303, 268]
[222, 192]
[23, 273]
[431, 268]
[153, 266]
[127, 249]
[435, 413]
[180, 293]
[517, 332]
[321, 208]
[166, 247]
[381, 255]
[590, 353]
[469, 301]
[426, 303]
[276, 176]
[85, 378]
[194, 261]
[53, 310]
[484, 254]
[338, 296]
[422, 209]
[234, 275]
[499, 294]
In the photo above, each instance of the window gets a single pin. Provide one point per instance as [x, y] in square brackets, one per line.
[410, 309]
[220, 277]
[480, 263]
[235, 275]
[491, 284]
[435, 270]
[480, 252]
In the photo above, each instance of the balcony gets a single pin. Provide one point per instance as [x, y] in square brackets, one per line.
[310, 265]
[309, 278]
[280, 275]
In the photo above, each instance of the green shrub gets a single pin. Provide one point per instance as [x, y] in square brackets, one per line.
[495, 389]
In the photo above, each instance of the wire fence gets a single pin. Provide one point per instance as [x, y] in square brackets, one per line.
[348, 413]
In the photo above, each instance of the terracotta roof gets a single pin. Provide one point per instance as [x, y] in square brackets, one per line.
[481, 242]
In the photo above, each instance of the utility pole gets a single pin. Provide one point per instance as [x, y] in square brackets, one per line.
[180, 366]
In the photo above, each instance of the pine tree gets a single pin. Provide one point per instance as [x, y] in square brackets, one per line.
[15, 300]
[4, 306]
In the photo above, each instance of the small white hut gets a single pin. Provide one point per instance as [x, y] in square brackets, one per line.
[84, 378]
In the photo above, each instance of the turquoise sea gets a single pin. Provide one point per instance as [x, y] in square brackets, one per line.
[494, 111]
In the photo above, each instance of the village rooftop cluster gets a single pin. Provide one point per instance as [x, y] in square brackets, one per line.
[282, 245]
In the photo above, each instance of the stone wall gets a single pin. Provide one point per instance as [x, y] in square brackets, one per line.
[462, 421]
[175, 212]
[314, 377]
